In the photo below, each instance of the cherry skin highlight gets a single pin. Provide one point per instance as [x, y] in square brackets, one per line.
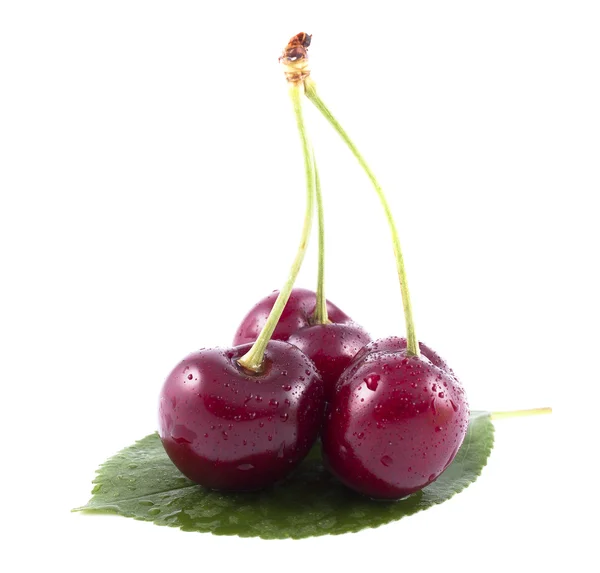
[396, 343]
[297, 314]
[229, 429]
[331, 347]
[395, 422]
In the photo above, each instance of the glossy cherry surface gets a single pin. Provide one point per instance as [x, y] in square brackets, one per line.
[331, 347]
[396, 343]
[396, 422]
[228, 429]
[296, 315]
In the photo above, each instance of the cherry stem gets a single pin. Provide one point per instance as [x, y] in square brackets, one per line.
[411, 337]
[520, 413]
[320, 315]
[253, 359]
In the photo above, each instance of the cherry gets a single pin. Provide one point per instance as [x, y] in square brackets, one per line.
[331, 347]
[242, 418]
[396, 421]
[230, 429]
[399, 414]
[297, 314]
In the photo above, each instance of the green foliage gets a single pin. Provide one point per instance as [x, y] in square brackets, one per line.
[141, 482]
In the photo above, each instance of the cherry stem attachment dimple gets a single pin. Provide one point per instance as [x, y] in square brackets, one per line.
[253, 359]
[320, 315]
[411, 337]
[520, 413]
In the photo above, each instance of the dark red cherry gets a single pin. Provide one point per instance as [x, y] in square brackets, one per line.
[296, 315]
[395, 422]
[228, 429]
[395, 343]
[331, 347]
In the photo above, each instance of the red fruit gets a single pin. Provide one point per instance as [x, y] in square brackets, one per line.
[331, 347]
[228, 429]
[296, 315]
[396, 421]
[395, 343]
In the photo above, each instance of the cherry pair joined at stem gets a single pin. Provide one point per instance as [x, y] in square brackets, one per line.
[398, 414]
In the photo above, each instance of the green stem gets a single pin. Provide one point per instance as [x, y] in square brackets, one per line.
[320, 314]
[253, 359]
[411, 337]
[520, 413]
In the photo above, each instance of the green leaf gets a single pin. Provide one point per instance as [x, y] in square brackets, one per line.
[141, 482]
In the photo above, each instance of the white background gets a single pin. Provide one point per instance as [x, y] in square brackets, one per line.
[152, 191]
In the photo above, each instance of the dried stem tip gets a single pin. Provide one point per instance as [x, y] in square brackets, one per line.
[295, 58]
